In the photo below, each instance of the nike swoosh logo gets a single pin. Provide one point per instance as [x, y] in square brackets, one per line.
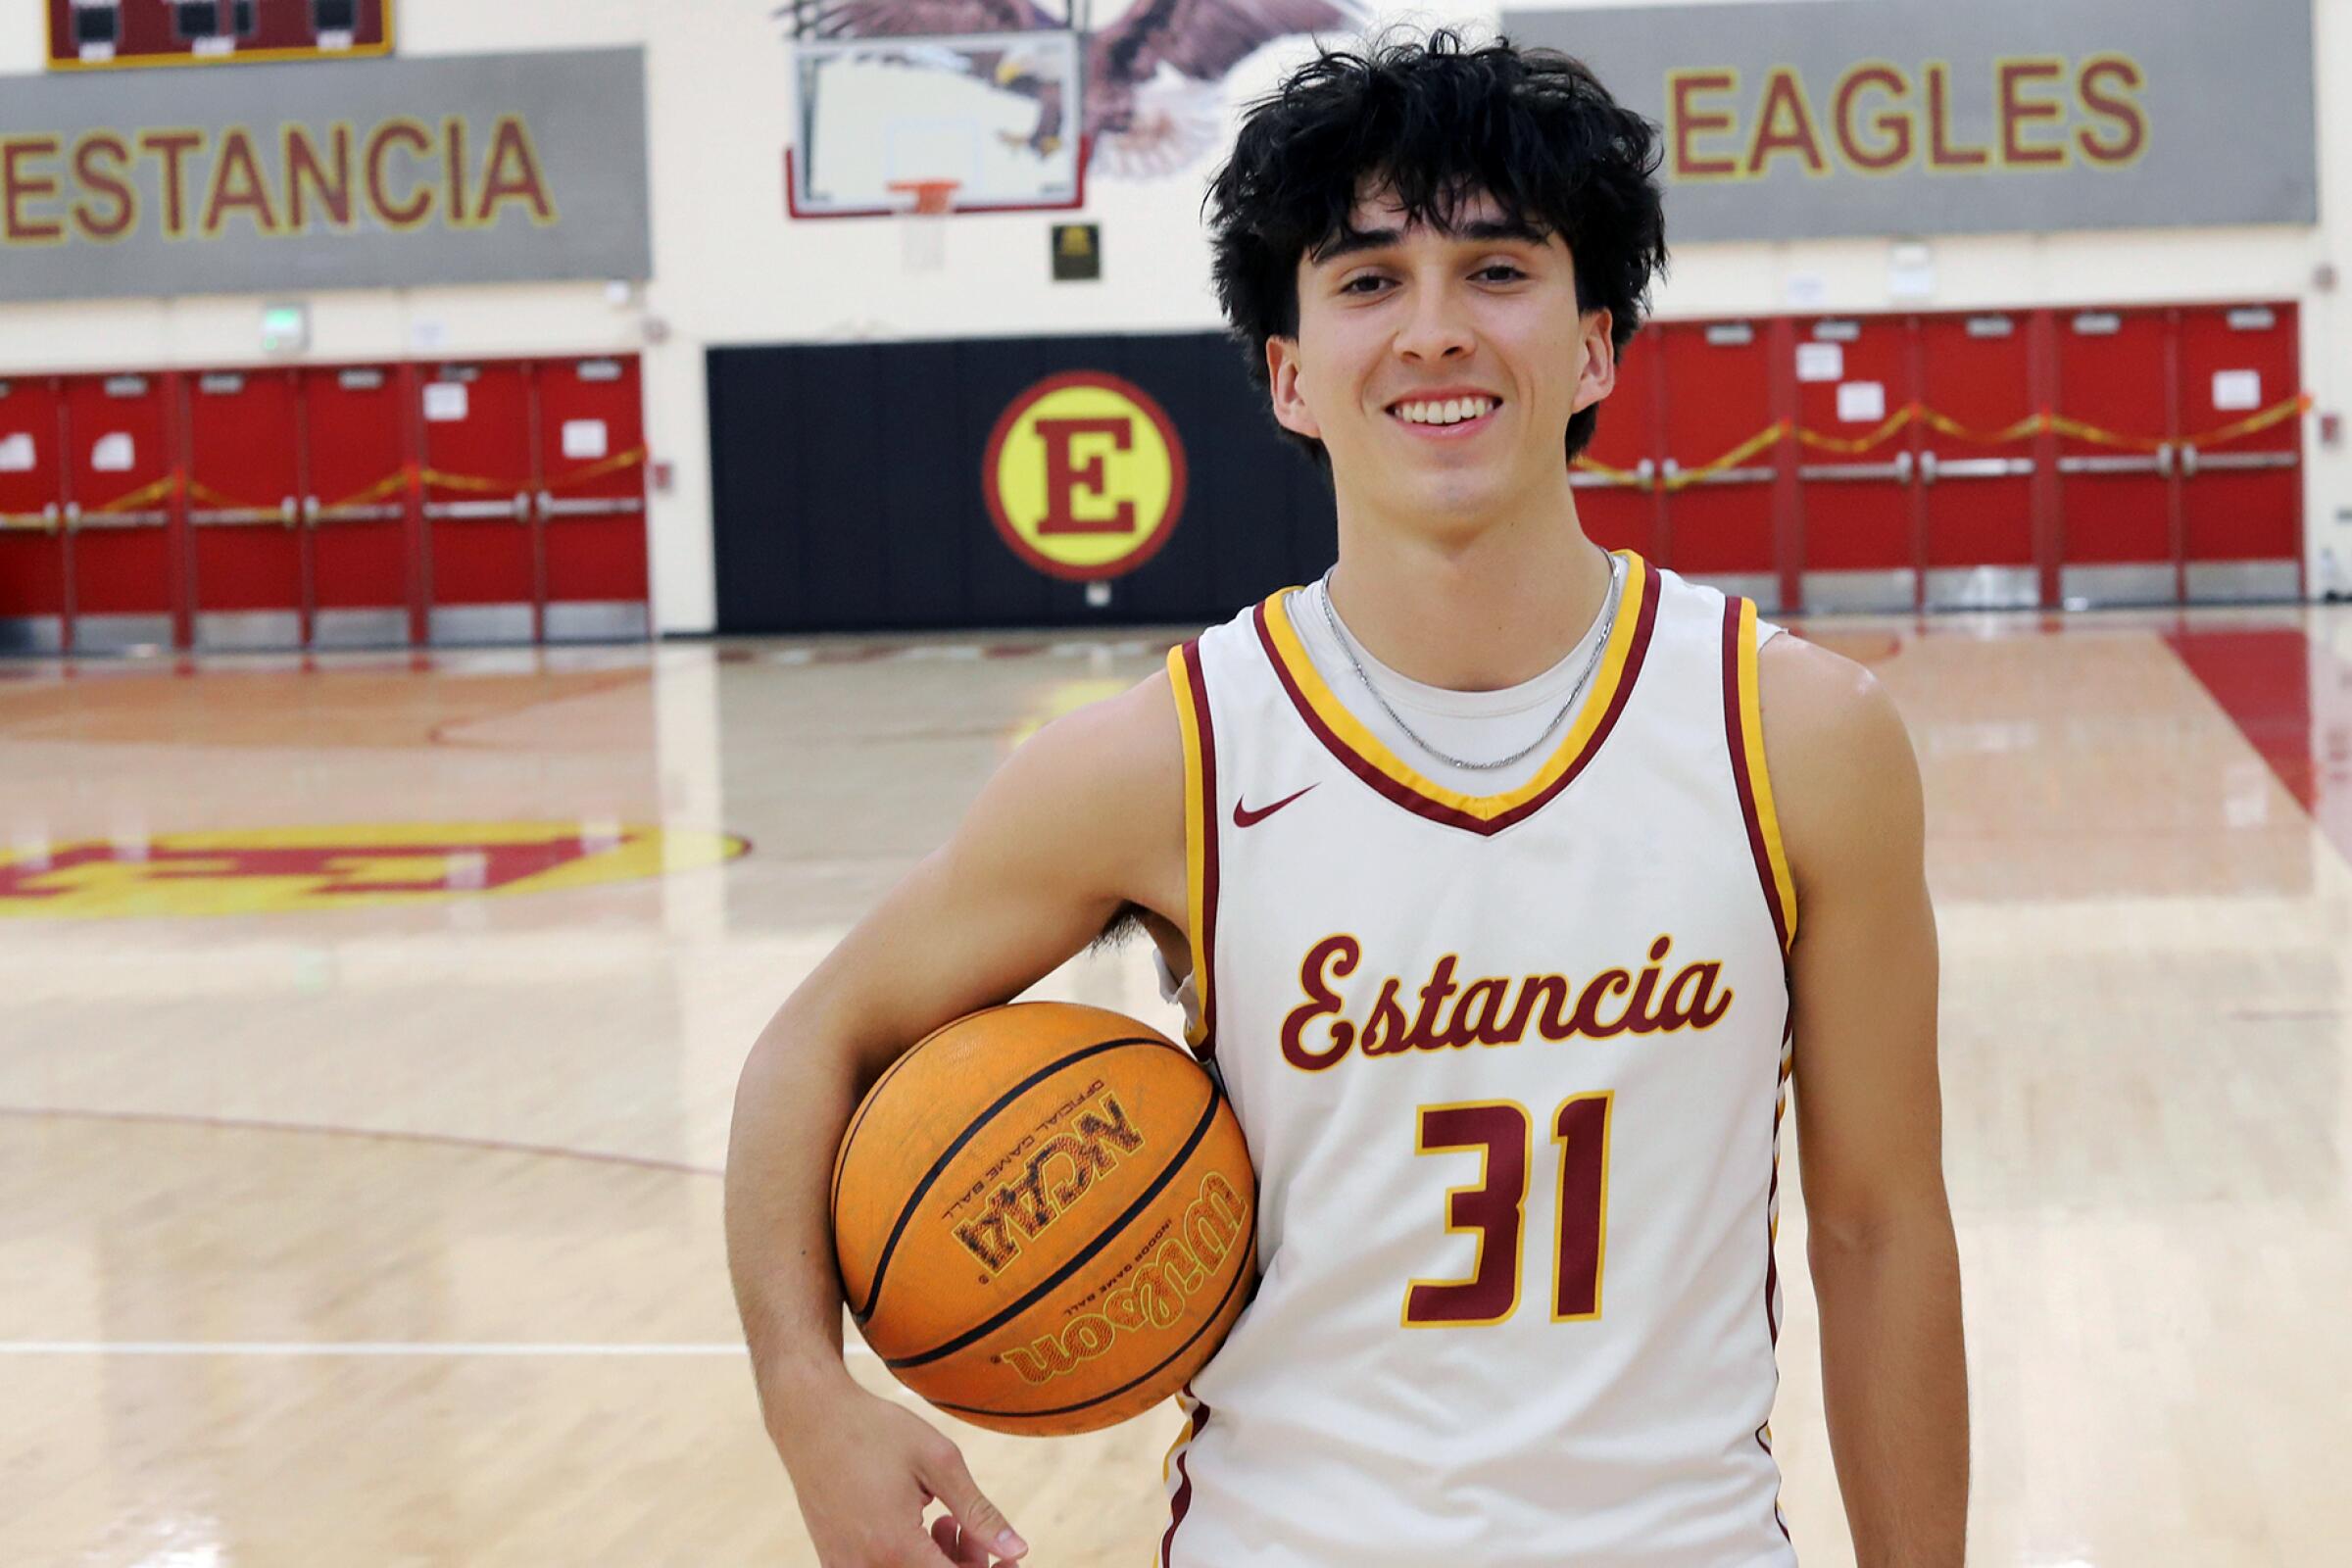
[1243, 816]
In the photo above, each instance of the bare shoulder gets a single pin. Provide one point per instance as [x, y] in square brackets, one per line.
[1082, 825]
[1099, 793]
[1844, 778]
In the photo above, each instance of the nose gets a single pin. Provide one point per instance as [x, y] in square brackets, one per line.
[1436, 327]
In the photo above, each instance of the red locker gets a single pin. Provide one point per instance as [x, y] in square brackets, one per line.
[591, 420]
[34, 602]
[483, 572]
[1977, 462]
[1617, 499]
[358, 504]
[244, 452]
[1854, 375]
[2119, 539]
[2241, 496]
[122, 512]
[1719, 524]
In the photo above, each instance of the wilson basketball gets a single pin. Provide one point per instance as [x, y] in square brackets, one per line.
[1045, 1217]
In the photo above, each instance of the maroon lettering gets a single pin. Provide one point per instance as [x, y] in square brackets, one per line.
[114, 184]
[1894, 126]
[239, 186]
[397, 215]
[1607, 983]
[328, 179]
[171, 148]
[1784, 124]
[1334, 954]
[1942, 152]
[2122, 112]
[1689, 122]
[1427, 1036]
[20, 185]
[514, 175]
[1063, 475]
[2018, 112]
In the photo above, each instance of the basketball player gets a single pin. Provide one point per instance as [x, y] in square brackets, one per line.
[1519, 873]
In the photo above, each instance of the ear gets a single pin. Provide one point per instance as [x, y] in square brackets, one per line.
[1598, 378]
[1282, 378]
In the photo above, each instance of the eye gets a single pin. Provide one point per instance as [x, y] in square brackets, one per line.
[1373, 278]
[1508, 271]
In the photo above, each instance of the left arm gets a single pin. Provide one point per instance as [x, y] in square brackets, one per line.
[1869, 1114]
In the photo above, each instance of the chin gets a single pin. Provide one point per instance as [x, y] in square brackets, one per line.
[1451, 496]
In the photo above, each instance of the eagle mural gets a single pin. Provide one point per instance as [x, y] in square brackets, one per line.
[1151, 76]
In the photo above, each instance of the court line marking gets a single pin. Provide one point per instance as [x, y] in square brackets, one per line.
[345, 1347]
[243, 1124]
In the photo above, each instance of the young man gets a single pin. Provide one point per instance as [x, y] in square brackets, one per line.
[1515, 867]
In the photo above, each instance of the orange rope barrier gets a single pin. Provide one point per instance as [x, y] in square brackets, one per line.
[2031, 424]
[136, 498]
[503, 487]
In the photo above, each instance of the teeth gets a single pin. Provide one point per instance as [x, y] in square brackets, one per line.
[1450, 412]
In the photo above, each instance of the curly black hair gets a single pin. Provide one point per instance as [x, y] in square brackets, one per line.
[1430, 123]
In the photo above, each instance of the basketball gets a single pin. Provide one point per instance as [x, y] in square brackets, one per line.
[1044, 1218]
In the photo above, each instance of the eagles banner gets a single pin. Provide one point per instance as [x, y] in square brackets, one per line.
[1802, 119]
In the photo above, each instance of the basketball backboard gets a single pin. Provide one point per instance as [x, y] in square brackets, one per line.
[997, 114]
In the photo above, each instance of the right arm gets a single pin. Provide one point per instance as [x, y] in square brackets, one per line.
[1084, 820]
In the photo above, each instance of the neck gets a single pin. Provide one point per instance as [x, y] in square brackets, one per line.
[1470, 613]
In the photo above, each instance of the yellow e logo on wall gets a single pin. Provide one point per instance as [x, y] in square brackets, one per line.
[1084, 475]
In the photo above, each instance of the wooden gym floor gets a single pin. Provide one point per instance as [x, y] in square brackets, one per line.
[359, 1197]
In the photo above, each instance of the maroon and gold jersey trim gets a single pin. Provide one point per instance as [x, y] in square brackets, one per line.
[1743, 731]
[1366, 756]
[1199, 834]
[1196, 1422]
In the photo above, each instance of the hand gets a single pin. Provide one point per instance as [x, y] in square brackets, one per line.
[866, 1469]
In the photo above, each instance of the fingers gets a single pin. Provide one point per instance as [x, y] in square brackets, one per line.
[983, 1526]
[963, 1551]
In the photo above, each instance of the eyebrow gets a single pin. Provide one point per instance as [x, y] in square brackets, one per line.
[1354, 241]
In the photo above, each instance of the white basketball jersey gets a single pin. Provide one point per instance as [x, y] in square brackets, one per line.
[1510, 1069]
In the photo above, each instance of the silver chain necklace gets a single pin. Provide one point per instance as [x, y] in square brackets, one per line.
[1607, 624]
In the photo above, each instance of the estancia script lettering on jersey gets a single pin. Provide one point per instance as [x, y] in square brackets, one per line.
[1493, 1010]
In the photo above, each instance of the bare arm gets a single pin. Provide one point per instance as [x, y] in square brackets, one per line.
[1869, 1115]
[1085, 819]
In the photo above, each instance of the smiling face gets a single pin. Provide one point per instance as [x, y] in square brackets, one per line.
[1440, 369]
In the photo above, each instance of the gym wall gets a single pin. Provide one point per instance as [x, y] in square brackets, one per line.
[732, 269]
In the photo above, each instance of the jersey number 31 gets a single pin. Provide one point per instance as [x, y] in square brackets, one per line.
[1496, 1206]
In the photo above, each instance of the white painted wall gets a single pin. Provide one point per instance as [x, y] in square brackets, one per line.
[729, 267]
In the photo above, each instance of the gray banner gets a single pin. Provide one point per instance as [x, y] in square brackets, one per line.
[1813, 118]
[468, 170]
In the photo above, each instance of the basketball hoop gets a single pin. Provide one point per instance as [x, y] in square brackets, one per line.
[923, 226]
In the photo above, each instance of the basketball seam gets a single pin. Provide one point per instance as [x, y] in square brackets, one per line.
[867, 1105]
[1084, 1254]
[1249, 1256]
[947, 1157]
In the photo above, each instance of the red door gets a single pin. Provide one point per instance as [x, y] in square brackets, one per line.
[591, 422]
[2241, 481]
[482, 567]
[243, 518]
[1975, 461]
[2118, 540]
[120, 510]
[1617, 498]
[33, 549]
[1723, 454]
[1855, 377]
[358, 504]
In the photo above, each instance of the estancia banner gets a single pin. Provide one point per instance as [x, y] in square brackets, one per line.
[476, 168]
